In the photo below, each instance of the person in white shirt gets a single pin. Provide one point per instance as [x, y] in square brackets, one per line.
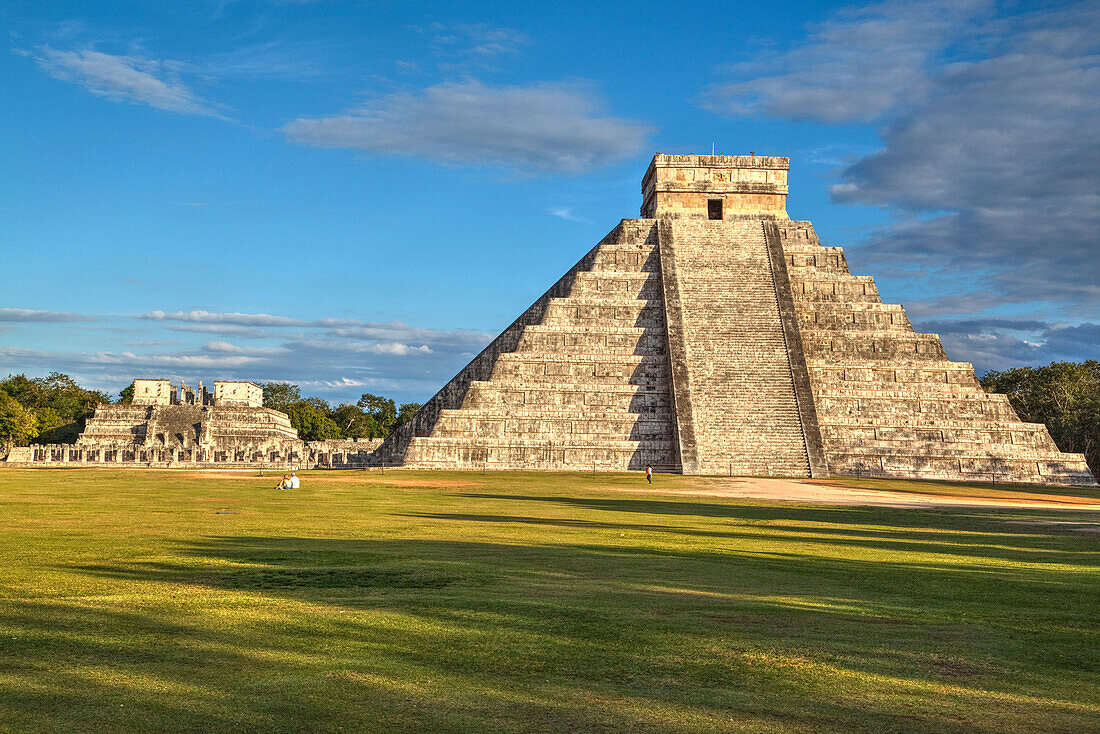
[295, 482]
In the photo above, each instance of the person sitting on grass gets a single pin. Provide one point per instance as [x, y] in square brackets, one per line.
[284, 483]
[295, 482]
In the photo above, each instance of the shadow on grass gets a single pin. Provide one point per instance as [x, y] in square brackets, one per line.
[739, 623]
[974, 532]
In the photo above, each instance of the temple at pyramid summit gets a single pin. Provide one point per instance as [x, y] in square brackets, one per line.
[715, 335]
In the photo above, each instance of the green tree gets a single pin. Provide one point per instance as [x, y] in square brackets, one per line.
[17, 424]
[23, 389]
[311, 423]
[320, 404]
[408, 410]
[280, 395]
[60, 405]
[382, 410]
[354, 423]
[126, 395]
[1064, 396]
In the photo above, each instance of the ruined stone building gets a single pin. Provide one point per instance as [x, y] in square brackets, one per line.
[170, 425]
[714, 335]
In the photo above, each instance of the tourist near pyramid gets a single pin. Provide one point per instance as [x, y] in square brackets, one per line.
[716, 336]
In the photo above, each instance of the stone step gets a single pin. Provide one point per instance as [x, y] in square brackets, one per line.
[555, 413]
[588, 428]
[805, 256]
[857, 436]
[596, 312]
[899, 409]
[976, 467]
[945, 449]
[627, 258]
[537, 367]
[445, 453]
[811, 287]
[587, 397]
[744, 414]
[910, 391]
[592, 340]
[835, 316]
[930, 423]
[931, 388]
[539, 444]
[856, 374]
[871, 345]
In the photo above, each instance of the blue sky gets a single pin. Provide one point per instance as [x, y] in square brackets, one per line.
[356, 196]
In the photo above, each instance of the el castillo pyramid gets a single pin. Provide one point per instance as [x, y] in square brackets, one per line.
[715, 335]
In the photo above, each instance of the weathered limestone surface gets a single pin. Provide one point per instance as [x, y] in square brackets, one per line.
[681, 185]
[580, 381]
[186, 426]
[888, 400]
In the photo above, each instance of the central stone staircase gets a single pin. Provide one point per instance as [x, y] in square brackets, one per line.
[726, 327]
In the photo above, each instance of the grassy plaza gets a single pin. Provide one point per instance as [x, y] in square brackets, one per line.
[515, 602]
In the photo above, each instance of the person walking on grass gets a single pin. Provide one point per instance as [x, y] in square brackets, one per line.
[649, 474]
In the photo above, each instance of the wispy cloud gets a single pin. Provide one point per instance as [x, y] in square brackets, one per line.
[541, 127]
[32, 315]
[476, 39]
[135, 79]
[566, 213]
[234, 319]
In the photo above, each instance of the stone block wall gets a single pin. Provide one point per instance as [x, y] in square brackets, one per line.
[580, 381]
[888, 400]
[678, 186]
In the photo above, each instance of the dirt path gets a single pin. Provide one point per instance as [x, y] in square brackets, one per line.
[794, 490]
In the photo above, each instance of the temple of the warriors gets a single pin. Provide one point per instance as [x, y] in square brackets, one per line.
[714, 335]
[170, 425]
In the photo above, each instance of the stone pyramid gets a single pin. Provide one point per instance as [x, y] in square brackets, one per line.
[716, 336]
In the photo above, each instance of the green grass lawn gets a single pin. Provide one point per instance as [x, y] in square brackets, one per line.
[432, 601]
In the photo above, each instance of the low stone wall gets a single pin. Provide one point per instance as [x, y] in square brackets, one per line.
[320, 454]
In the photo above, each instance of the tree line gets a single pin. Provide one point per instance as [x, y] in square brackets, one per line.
[315, 419]
[54, 409]
[1064, 396]
[49, 409]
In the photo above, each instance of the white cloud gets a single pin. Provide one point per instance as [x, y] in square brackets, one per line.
[1001, 343]
[336, 356]
[856, 66]
[543, 127]
[248, 332]
[32, 315]
[233, 319]
[398, 348]
[134, 79]
[566, 213]
[476, 39]
[990, 163]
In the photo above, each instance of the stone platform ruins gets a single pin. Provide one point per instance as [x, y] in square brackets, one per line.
[181, 426]
[716, 336]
